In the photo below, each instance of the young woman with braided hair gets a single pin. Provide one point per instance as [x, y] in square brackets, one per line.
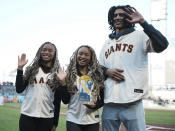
[84, 83]
[41, 106]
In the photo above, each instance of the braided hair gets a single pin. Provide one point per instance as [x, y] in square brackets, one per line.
[33, 68]
[94, 71]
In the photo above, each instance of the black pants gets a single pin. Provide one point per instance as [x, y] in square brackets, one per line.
[27, 123]
[76, 127]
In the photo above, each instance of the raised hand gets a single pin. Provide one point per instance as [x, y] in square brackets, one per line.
[62, 75]
[115, 74]
[22, 61]
[134, 16]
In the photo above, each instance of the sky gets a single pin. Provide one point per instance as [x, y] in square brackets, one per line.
[26, 24]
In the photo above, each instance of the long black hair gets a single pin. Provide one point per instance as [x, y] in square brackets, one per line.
[94, 71]
[33, 68]
[111, 17]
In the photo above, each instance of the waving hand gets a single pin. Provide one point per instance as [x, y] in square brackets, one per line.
[22, 61]
[134, 15]
[62, 75]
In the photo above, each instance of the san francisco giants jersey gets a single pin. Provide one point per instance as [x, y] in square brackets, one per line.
[39, 98]
[129, 53]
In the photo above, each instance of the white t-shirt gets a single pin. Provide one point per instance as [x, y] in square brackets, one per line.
[128, 53]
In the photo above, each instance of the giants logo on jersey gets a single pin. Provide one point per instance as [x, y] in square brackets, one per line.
[41, 81]
[119, 47]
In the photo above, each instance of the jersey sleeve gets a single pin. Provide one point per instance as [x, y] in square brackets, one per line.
[147, 43]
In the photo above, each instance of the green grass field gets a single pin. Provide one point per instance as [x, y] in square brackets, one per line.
[158, 116]
[9, 117]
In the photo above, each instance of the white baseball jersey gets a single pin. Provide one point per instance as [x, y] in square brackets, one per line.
[77, 112]
[129, 53]
[39, 98]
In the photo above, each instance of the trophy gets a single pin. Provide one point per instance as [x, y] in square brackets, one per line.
[85, 91]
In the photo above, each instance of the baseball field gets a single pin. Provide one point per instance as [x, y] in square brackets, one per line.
[156, 119]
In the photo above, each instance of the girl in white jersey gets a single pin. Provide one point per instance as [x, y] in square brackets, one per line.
[41, 106]
[84, 81]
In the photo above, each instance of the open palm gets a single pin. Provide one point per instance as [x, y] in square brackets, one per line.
[62, 75]
[22, 61]
[134, 15]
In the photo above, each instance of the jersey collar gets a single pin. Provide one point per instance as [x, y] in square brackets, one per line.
[117, 35]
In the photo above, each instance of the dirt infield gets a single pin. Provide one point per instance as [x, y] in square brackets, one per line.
[160, 127]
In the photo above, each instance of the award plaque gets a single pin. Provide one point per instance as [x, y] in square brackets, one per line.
[84, 97]
[85, 87]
